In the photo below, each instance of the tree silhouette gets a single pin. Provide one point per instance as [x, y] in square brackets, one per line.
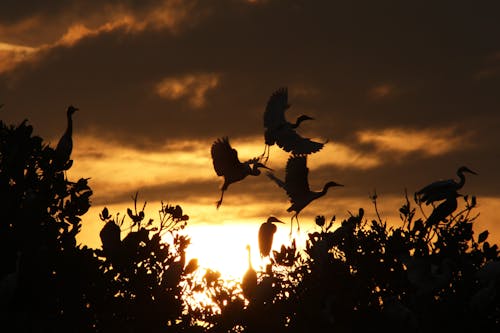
[410, 275]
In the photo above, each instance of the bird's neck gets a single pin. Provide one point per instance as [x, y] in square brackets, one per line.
[249, 259]
[462, 179]
[324, 190]
[69, 129]
[297, 122]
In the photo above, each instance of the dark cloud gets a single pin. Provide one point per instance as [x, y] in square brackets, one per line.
[370, 65]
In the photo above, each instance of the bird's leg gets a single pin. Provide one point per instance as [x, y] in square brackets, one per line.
[298, 224]
[265, 155]
[218, 203]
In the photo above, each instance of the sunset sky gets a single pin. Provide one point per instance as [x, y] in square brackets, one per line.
[405, 93]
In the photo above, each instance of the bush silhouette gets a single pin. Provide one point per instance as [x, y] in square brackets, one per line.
[412, 276]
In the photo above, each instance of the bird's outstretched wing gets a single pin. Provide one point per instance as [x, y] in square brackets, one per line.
[296, 177]
[436, 191]
[290, 141]
[224, 157]
[274, 116]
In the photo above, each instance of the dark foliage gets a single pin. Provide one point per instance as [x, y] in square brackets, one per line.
[412, 276]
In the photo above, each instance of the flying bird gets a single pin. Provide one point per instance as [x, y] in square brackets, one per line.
[278, 130]
[266, 235]
[227, 164]
[249, 282]
[296, 185]
[442, 189]
[65, 145]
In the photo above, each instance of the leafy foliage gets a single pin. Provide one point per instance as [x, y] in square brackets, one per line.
[412, 275]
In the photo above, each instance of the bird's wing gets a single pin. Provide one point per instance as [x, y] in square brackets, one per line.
[274, 115]
[437, 191]
[224, 157]
[296, 176]
[291, 141]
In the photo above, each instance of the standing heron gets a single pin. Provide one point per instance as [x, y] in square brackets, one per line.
[266, 235]
[296, 186]
[442, 189]
[278, 130]
[227, 164]
[65, 145]
[249, 282]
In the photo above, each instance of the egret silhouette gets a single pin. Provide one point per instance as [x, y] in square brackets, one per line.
[442, 189]
[65, 145]
[296, 186]
[266, 235]
[227, 164]
[249, 282]
[278, 130]
[443, 210]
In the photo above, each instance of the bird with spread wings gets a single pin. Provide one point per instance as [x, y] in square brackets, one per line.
[281, 132]
[296, 185]
[227, 164]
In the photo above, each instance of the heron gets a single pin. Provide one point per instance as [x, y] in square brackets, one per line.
[65, 145]
[249, 282]
[227, 164]
[278, 130]
[266, 235]
[444, 209]
[296, 186]
[442, 189]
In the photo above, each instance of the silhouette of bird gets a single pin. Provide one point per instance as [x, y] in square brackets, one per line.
[227, 164]
[442, 189]
[266, 235]
[65, 145]
[249, 282]
[278, 130]
[296, 185]
[443, 210]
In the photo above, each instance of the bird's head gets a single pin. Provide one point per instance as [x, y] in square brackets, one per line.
[71, 110]
[272, 219]
[304, 118]
[332, 184]
[256, 167]
[465, 169]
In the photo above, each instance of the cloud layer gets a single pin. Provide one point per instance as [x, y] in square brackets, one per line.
[404, 92]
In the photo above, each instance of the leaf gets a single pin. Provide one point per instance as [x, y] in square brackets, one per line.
[482, 236]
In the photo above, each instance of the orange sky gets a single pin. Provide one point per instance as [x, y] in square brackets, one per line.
[404, 93]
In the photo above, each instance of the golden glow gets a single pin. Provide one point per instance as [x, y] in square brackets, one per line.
[193, 87]
[429, 142]
[11, 55]
[169, 15]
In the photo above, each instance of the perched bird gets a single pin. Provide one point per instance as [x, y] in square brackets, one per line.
[65, 145]
[442, 189]
[249, 282]
[443, 210]
[296, 185]
[227, 164]
[266, 234]
[278, 130]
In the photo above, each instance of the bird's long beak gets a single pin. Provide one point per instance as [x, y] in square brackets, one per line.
[260, 165]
